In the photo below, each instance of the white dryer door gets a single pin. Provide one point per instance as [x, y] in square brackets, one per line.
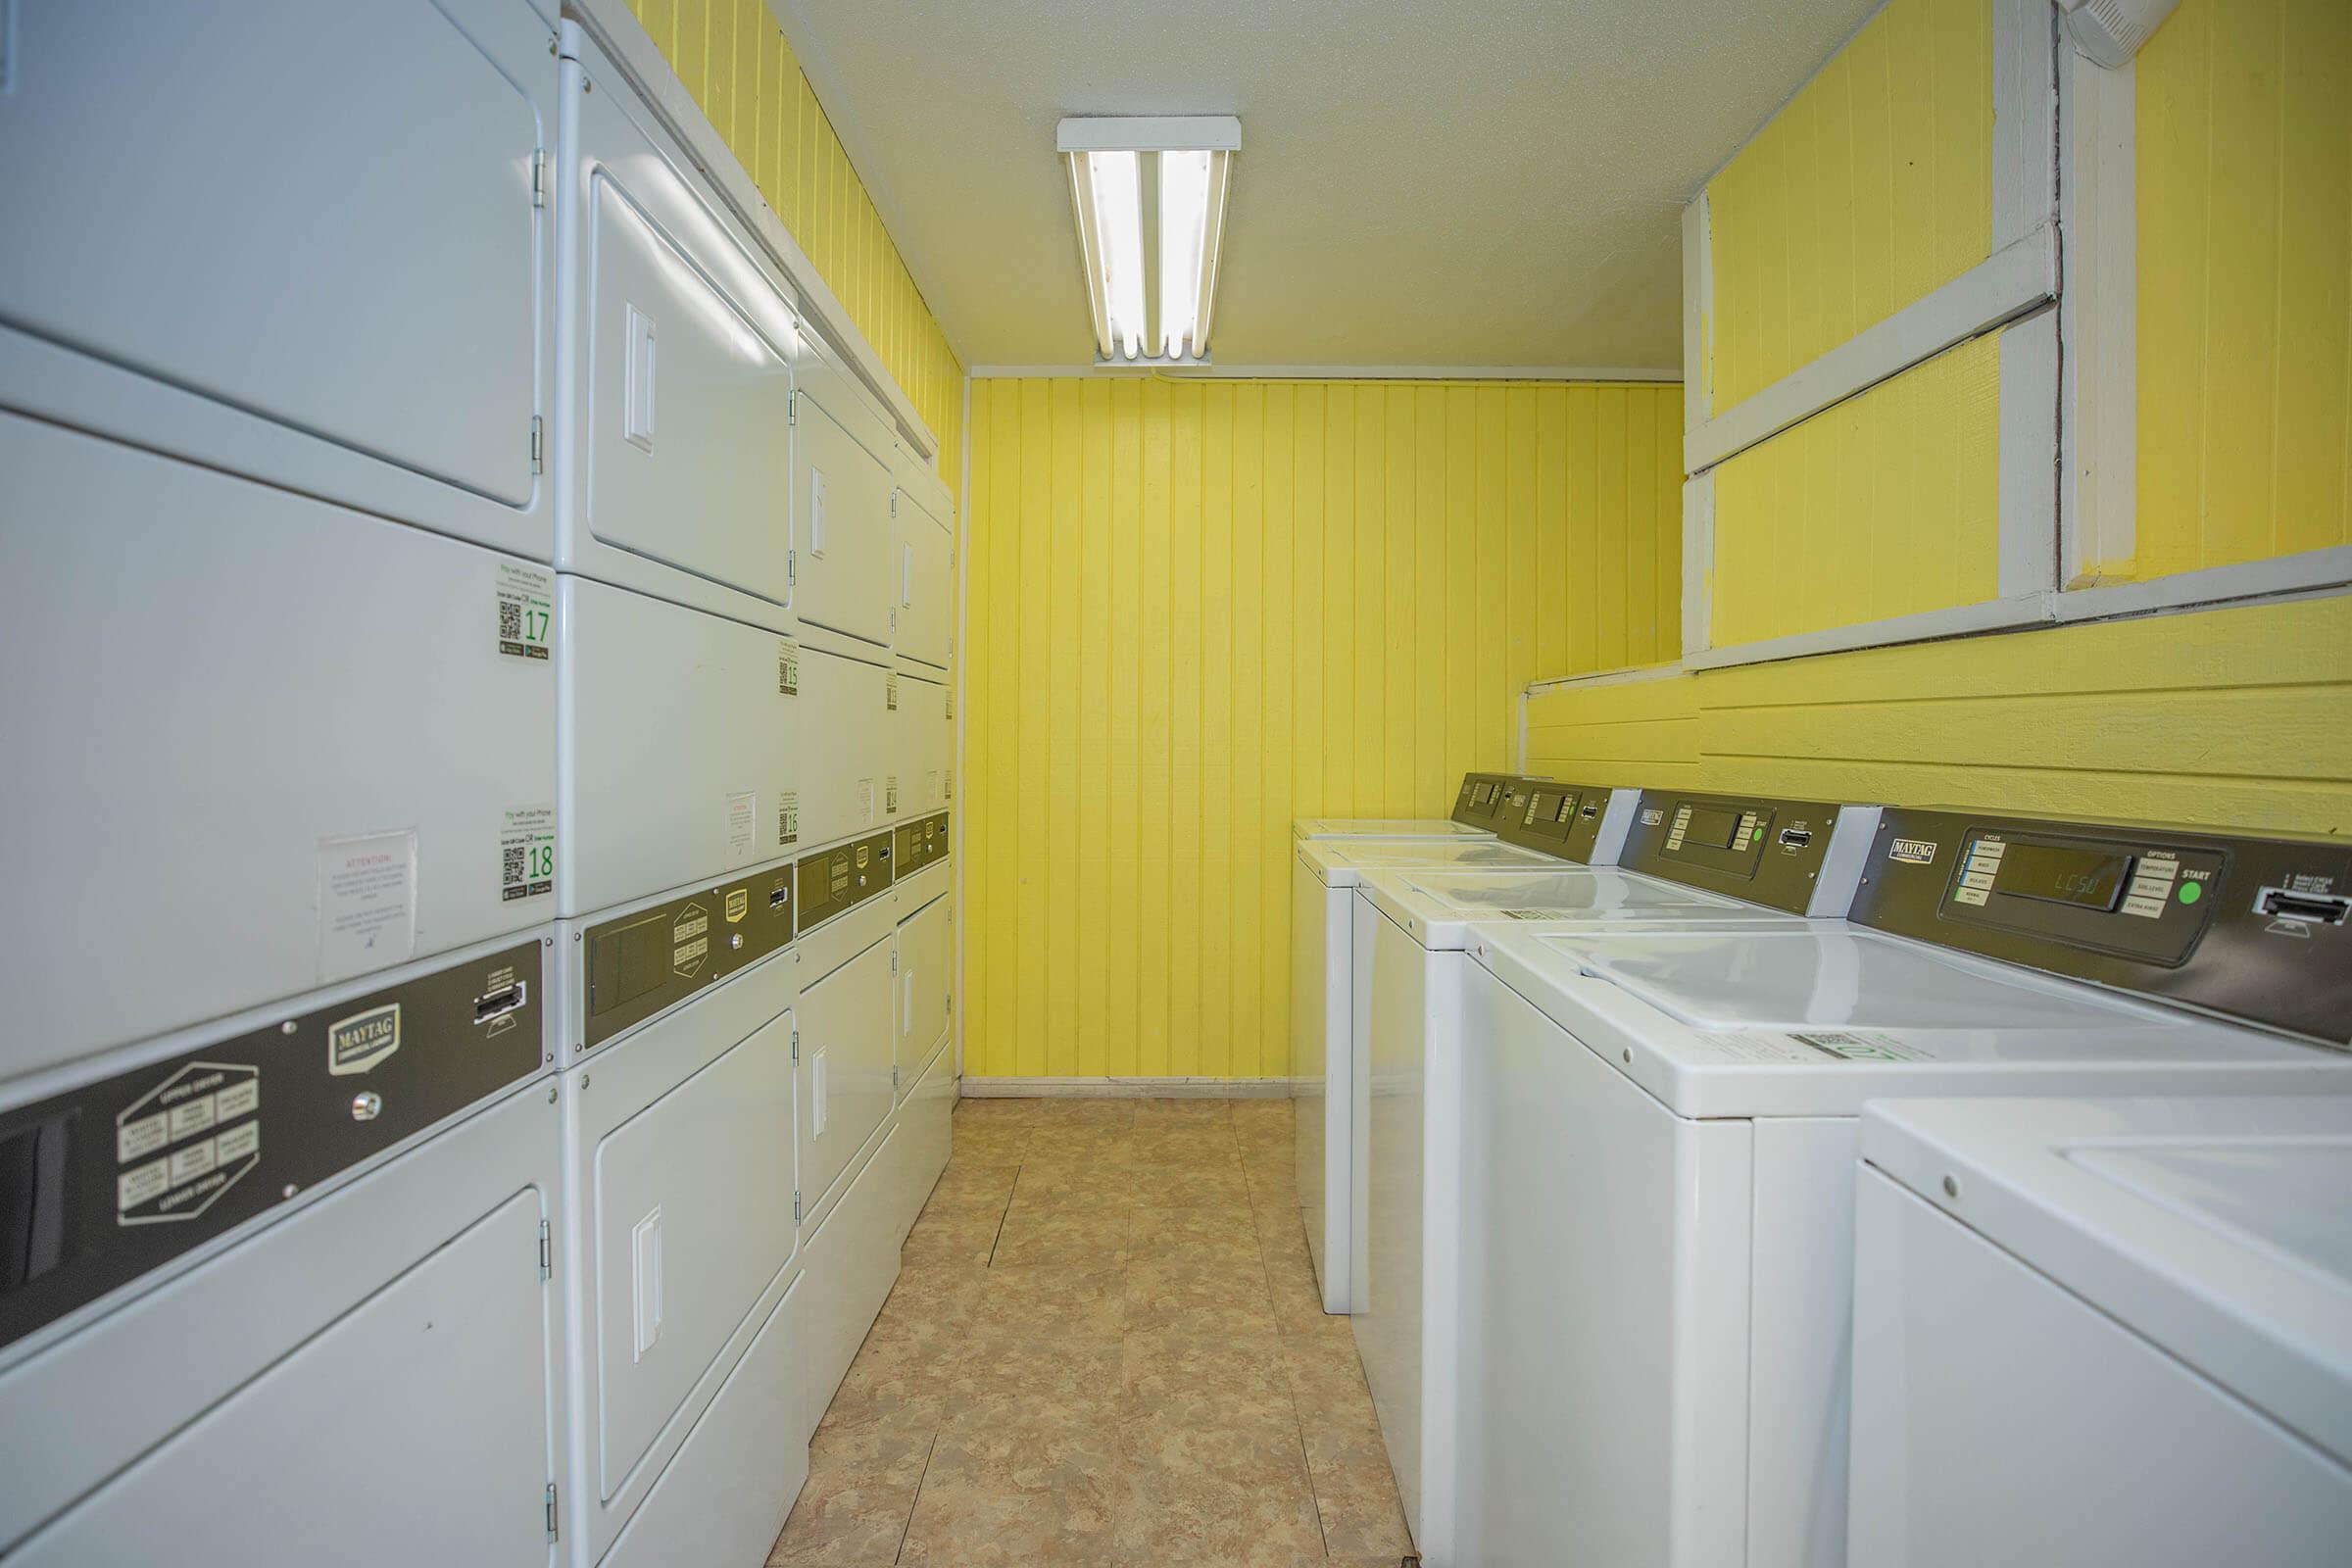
[321, 215]
[317, 1460]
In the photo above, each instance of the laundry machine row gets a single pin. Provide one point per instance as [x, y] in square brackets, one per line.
[412, 680]
[1662, 1364]
[290, 589]
[1499, 822]
[1688, 862]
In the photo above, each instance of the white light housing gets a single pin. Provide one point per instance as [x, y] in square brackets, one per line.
[2111, 31]
[1149, 191]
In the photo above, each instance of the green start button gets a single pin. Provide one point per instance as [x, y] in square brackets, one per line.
[2191, 892]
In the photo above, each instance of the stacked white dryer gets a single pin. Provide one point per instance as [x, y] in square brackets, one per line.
[278, 1160]
[749, 1131]
[681, 749]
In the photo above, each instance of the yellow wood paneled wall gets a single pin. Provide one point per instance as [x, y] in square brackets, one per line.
[2244, 261]
[2224, 719]
[1200, 609]
[1867, 190]
[1884, 505]
[737, 63]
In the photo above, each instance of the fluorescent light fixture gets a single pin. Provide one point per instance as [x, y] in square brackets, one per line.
[1149, 190]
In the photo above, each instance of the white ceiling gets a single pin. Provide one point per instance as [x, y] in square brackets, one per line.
[1450, 183]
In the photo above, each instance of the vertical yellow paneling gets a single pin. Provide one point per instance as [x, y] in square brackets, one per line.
[974, 844]
[741, 70]
[1885, 505]
[2227, 718]
[1277, 737]
[1213, 606]
[1122, 551]
[1244, 821]
[1094, 725]
[2245, 332]
[1065, 437]
[1156, 708]
[1872, 187]
[1214, 692]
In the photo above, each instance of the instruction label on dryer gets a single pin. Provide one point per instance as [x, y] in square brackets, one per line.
[740, 818]
[526, 605]
[788, 669]
[366, 899]
[202, 1130]
[526, 853]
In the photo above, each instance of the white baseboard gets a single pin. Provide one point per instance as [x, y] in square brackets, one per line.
[975, 1088]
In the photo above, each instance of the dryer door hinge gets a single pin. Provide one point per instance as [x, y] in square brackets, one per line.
[792, 410]
[550, 1510]
[547, 1252]
[792, 572]
[894, 960]
[894, 503]
[796, 1206]
[894, 1077]
[539, 178]
[538, 445]
[796, 1045]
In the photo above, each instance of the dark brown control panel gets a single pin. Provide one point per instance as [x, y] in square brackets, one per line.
[1765, 849]
[640, 964]
[2257, 929]
[920, 844]
[104, 1181]
[1573, 822]
[1480, 801]
[834, 880]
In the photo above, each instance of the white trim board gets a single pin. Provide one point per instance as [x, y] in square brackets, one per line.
[2309, 571]
[1126, 1088]
[1333, 372]
[1608, 677]
[2099, 464]
[2014, 281]
[1928, 625]
[962, 781]
[617, 30]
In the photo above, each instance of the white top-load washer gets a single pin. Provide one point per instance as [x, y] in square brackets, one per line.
[1689, 862]
[1658, 1132]
[2103, 1331]
[1477, 807]
[1329, 1124]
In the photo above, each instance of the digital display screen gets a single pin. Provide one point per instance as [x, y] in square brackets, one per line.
[2090, 878]
[1712, 827]
[1481, 794]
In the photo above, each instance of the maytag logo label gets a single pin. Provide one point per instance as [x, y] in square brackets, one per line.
[1917, 852]
[361, 1040]
[1652, 815]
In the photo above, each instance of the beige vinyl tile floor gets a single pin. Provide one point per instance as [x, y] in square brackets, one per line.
[1105, 1347]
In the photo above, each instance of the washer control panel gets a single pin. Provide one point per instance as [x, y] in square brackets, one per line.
[103, 1183]
[2258, 930]
[1580, 822]
[1769, 851]
[1480, 801]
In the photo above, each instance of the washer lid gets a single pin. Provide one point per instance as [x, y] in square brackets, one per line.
[1836, 976]
[1438, 853]
[1344, 862]
[2215, 1227]
[1569, 894]
[1385, 827]
[1809, 1018]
